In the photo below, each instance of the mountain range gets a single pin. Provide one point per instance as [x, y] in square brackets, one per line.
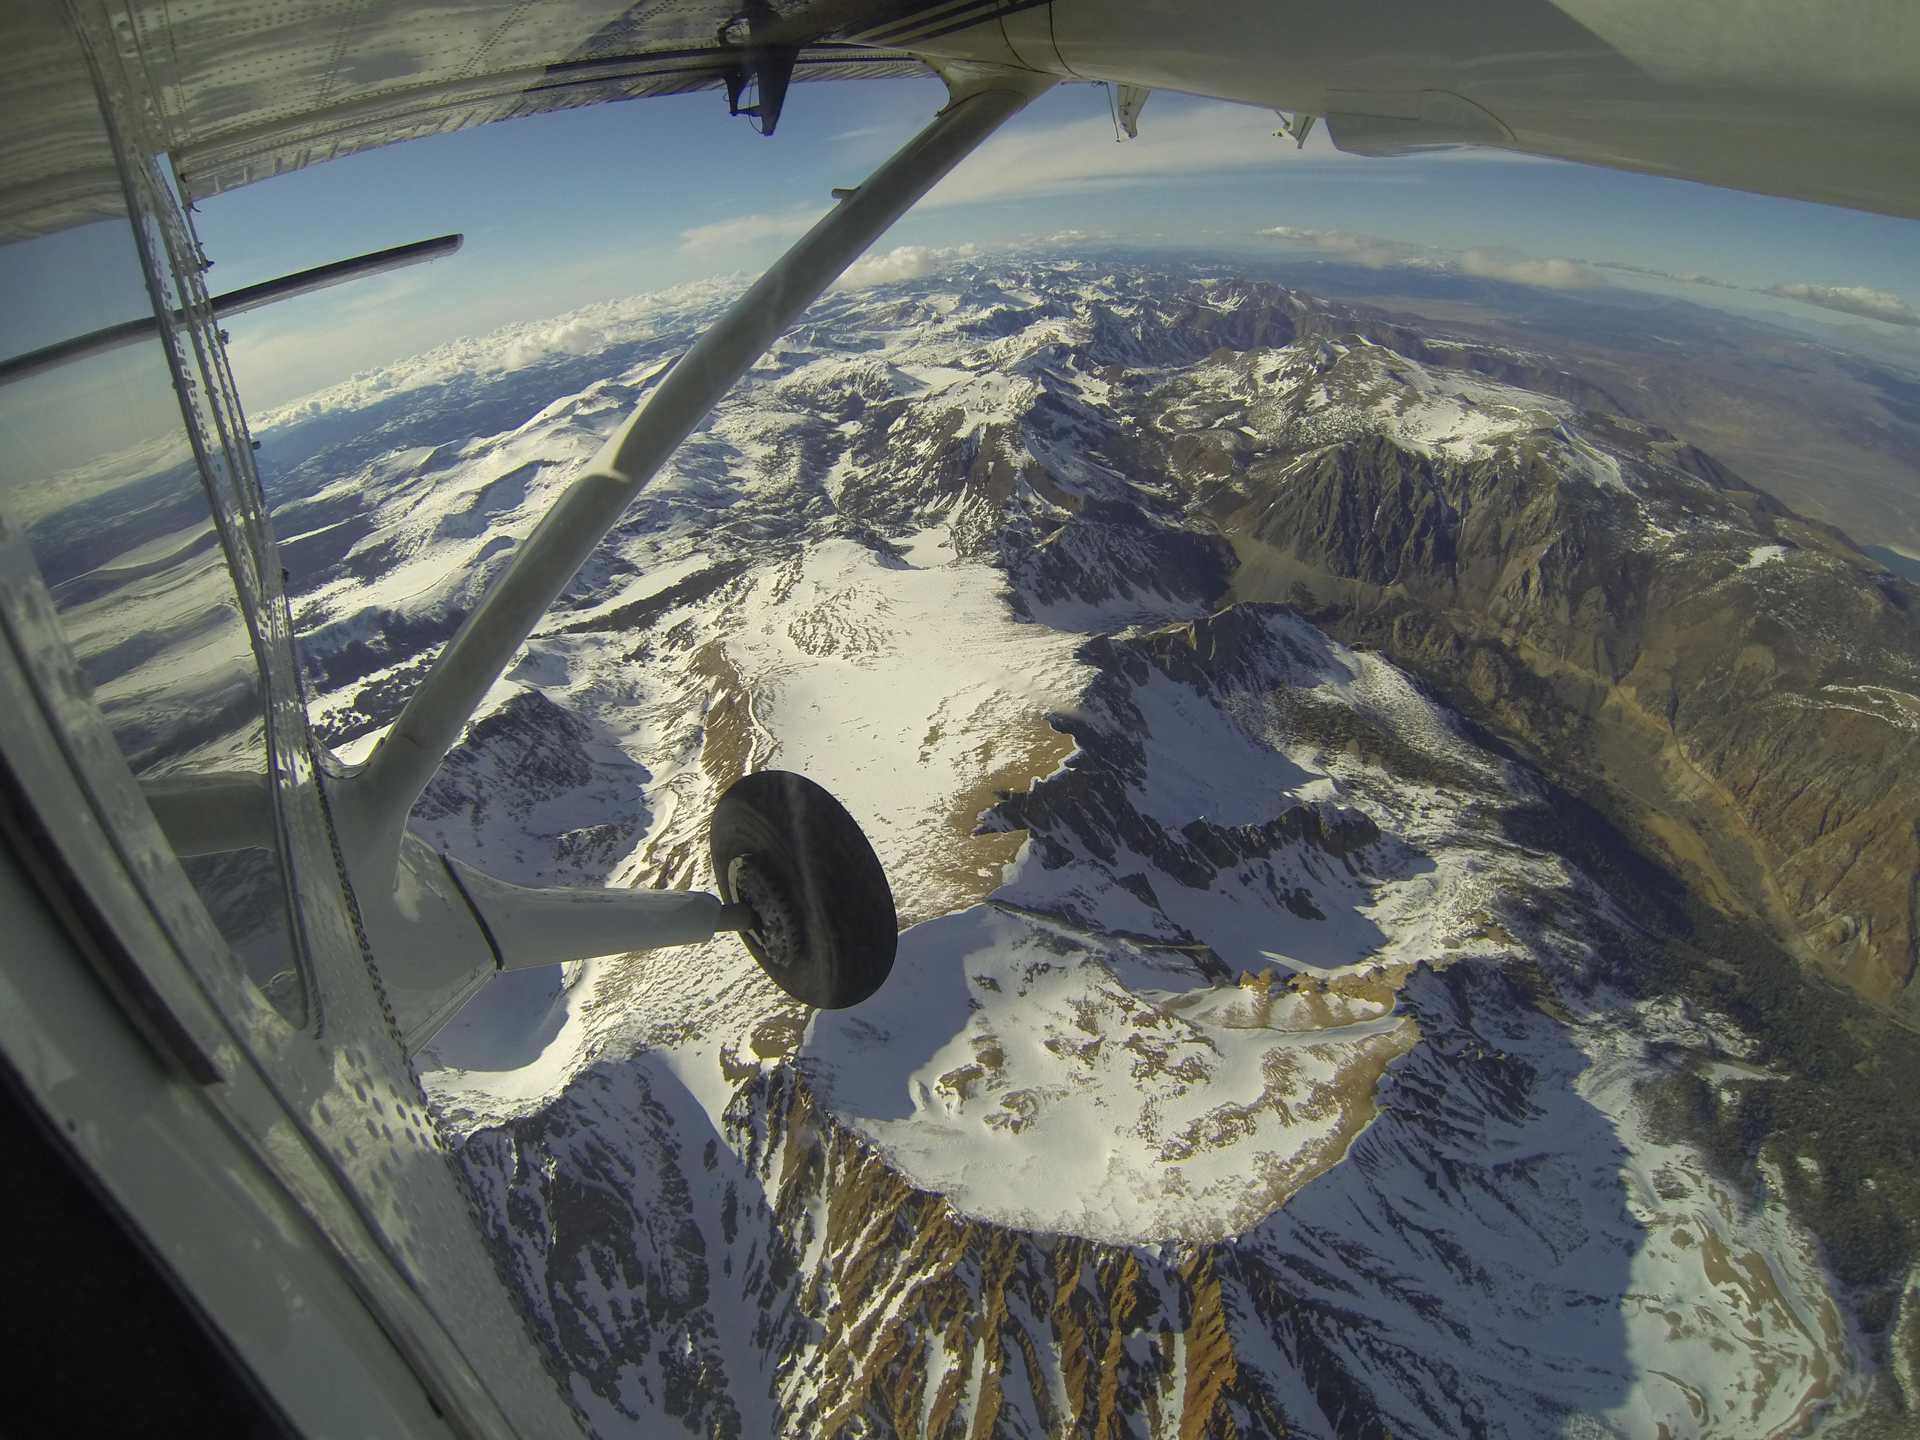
[1408, 871]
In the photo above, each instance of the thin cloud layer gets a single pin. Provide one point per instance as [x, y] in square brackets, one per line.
[1553, 273]
[1851, 300]
[584, 331]
[1860, 300]
[1080, 156]
[742, 231]
[903, 262]
[1678, 277]
[1202, 138]
[1378, 252]
[1051, 159]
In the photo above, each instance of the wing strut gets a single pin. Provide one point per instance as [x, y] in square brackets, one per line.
[441, 929]
[383, 792]
[234, 302]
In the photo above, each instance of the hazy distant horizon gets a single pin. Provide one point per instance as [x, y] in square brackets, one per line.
[563, 210]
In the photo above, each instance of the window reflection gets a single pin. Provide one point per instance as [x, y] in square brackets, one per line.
[101, 477]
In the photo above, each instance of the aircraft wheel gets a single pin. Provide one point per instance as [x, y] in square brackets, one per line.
[823, 926]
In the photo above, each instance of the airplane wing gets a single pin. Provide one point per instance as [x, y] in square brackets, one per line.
[1803, 102]
[315, 80]
[238, 93]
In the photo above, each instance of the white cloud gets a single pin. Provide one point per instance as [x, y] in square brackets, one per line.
[572, 337]
[311, 340]
[1373, 251]
[1550, 274]
[577, 338]
[1859, 300]
[1377, 252]
[745, 230]
[903, 262]
[1851, 300]
[1556, 273]
[579, 332]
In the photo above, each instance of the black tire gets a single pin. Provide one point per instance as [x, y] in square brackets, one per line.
[824, 930]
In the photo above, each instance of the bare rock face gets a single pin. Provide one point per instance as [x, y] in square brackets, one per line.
[1621, 601]
[1452, 1195]
[778, 1275]
[880, 1310]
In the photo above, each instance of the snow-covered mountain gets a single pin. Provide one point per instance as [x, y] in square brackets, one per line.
[1262, 1057]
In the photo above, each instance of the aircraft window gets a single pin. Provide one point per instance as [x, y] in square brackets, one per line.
[105, 486]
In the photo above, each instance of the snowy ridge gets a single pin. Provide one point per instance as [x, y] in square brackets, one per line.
[1243, 1063]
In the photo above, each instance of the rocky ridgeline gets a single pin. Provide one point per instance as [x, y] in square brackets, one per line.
[1436, 1272]
[1089, 810]
[1606, 593]
[880, 1310]
[1479, 1228]
[538, 791]
[1639, 615]
[780, 1276]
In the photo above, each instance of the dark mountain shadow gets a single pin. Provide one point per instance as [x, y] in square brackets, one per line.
[507, 1026]
[1476, 1243]
[652, 1255]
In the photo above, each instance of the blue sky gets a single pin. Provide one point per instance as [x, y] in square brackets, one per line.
[561, 210]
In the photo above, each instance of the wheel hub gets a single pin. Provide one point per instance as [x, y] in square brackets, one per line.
[776, 928]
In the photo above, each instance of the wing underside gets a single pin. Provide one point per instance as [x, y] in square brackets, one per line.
[238, 155]
[242, 92]
[235, 91]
